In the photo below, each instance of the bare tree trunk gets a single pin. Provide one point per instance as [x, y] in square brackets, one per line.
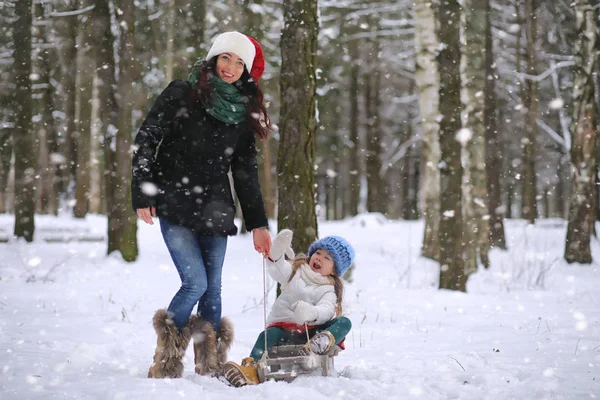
[253, 20]
[24, 136]
[47, 189]
[353, 156]
[83, 135]
[561, 209]
[514, 186]
[68, 26]
[452, 272]
[170, 38]
[584, 148]
[198, 28]
[6, 150]
[410, 183]
[107, 106]
[509, 200]
[405, 180]
[123, 234]
[253, 28]
[545, 202]
[428, 81]
[493, 163]
[296, 156]
[529, 181]
[475, 203]
[375, 183]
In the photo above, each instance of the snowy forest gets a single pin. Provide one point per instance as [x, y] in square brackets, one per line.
[462, 114]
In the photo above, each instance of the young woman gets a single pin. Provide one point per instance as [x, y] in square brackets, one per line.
[193, 135]
[311, 299]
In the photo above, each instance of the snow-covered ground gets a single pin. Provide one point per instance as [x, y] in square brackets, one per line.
[76, 324]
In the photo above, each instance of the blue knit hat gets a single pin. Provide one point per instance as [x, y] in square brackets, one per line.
[340, 250]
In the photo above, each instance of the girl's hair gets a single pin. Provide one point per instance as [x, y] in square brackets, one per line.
[338, 285]
[256, 112]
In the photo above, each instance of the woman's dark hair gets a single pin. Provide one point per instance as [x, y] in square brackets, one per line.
[256, 112]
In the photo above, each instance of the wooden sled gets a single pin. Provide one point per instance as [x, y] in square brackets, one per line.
[285, 364]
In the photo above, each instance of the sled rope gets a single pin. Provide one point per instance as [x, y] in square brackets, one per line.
[293, 295]
[265, 355]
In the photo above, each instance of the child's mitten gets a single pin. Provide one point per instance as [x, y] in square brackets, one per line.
[282, 244]
[304, 313]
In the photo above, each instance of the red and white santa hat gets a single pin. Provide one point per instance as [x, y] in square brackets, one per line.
[245, 47]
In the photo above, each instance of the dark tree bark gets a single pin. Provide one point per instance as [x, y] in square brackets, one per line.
[47, 187]
[475, 200]
[254, 28]
[107, 104]
[529, 206]
[427, 81]
[68, 27]
[23, 135]
[584, 148]
[493, 158]
[410, 183]
[375, 183]
[83, 134]
[6, 149]
[296, 156]
[122, 223]
[452, 273]
[354, 166]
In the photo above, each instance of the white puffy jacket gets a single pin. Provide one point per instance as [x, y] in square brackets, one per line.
[306, 285]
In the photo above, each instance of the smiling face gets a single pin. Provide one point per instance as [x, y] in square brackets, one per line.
[322, 262]
[229, 67]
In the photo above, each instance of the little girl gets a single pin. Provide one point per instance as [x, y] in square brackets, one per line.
[311, 298]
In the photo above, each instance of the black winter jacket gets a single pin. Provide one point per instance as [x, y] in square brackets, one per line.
[186, 154]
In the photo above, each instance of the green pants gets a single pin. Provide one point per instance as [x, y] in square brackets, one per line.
[339, 328]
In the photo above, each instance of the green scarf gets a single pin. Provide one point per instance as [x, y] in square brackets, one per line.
[226, 103]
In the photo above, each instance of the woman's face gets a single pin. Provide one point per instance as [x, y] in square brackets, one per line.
[229, 67]
[321, 262]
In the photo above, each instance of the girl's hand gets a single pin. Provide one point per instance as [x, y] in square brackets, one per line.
[282, 245]
[304, 313]
[262, 241]
[146, 214]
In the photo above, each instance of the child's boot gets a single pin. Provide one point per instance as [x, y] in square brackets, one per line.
[170, 347]
[241, 375]
[319, 344]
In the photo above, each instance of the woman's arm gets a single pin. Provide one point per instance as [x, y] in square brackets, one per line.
[244, 168]
[157, 124]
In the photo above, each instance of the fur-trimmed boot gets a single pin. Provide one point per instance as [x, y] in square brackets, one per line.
[210, 348]
[224, 341]
[170, 347]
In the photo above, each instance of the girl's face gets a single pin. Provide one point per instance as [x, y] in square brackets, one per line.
[229, 67]
[322, 262]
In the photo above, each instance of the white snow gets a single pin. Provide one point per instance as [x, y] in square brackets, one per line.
[556, 104]
[76, 324]
[464, 135]
[149, 189]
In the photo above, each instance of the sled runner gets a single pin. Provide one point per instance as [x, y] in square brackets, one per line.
[283, 363]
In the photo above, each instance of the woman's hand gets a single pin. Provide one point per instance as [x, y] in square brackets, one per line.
[262, 241]
[146, 214]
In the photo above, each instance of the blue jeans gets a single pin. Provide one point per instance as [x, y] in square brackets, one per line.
[199, 262]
